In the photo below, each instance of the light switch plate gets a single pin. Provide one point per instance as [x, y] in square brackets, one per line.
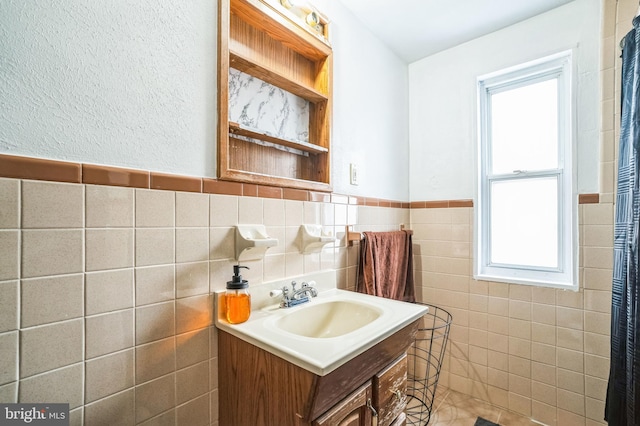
[354, 175]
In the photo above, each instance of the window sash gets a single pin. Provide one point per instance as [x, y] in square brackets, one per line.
[556, 175]
[505, 151]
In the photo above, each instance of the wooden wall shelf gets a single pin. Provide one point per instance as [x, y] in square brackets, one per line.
[237, 129]
[268, 16]
[271, 76]
[260, 38]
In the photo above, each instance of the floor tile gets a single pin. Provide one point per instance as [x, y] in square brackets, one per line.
[452, 408]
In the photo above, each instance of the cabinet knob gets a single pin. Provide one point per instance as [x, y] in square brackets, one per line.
[398, 393]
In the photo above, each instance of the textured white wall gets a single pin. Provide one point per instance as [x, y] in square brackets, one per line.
[123, 83]
[370, 111]
[133, 84]
[443, 98]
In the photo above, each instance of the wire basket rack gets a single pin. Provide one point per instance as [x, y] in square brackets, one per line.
[425, 359]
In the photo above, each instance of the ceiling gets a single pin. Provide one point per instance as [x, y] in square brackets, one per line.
[414, 29]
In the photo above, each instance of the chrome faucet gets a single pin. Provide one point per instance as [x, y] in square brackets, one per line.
[306, 289]
[297, 296]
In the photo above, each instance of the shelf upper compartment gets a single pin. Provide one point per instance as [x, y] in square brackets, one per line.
[264, 73]
[238, 129]
[280, 28]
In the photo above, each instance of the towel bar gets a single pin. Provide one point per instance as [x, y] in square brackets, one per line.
[351, 236]
[409, 231]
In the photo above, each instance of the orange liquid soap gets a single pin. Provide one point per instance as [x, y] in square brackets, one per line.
[238, 306]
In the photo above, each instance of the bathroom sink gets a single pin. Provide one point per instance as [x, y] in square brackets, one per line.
[323, 334]
[329, 319]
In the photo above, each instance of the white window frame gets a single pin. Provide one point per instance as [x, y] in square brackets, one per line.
[560, 67]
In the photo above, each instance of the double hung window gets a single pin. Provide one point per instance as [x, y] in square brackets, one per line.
[525, 223]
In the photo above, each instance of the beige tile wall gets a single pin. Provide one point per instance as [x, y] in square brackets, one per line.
[105, 291]
[540, 352]
[537, 351]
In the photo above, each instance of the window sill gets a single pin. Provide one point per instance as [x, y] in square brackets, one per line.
[525, 281]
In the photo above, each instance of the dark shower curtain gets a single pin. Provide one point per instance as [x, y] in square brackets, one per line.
[623, 403]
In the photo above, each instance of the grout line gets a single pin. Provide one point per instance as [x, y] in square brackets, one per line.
[444, 398]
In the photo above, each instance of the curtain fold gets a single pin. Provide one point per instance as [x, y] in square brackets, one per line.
[623, 405]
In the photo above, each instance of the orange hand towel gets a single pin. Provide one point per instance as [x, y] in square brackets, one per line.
[386, 265]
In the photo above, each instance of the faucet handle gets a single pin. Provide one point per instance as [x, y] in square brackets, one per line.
[275, 292]
[311, 288]
[284, 291]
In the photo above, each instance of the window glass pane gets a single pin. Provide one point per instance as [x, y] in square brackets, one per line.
[524, 128]
[524, 222]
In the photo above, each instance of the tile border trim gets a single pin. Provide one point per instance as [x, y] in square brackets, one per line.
[588, 198]
[13, 166]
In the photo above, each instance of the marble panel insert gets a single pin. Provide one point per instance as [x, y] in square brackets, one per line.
[259, 105]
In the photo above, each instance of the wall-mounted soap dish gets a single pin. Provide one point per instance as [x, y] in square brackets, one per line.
[314, 238]
[252, 241]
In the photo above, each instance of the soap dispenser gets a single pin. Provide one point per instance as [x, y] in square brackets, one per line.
[237, 299]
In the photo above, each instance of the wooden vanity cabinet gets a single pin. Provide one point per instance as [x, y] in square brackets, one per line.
[390, 392]
[353, 411]
[257, 387]
[385, 392]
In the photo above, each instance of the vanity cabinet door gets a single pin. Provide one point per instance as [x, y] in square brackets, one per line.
[354, 410]
[390, 392]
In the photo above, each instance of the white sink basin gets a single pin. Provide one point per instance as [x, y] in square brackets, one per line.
[328, 319]
[326, 332]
